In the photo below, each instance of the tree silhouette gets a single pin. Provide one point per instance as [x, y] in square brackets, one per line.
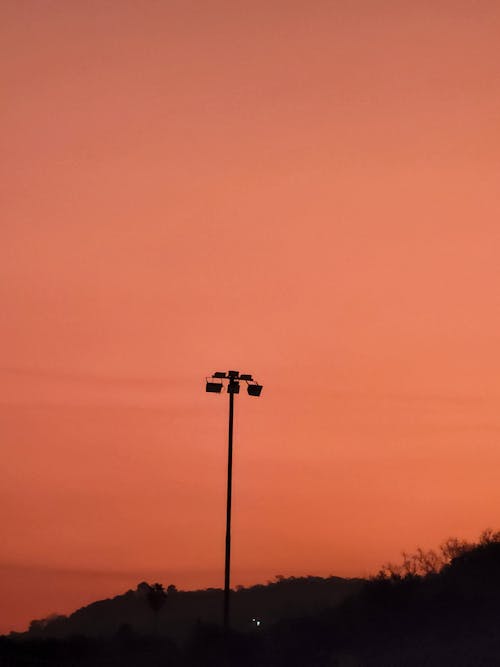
[156, 598]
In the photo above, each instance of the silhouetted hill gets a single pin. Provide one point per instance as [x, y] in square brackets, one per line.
[435, 609]
[447, 616]
[152, 610]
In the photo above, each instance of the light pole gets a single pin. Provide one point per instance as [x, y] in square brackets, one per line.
[215, 385]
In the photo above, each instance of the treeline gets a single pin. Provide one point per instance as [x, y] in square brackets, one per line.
[423, 563]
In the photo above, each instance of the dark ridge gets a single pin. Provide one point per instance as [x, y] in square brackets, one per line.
[151, 609]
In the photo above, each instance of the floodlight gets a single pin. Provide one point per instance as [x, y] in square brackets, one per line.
[218, 374]
[214, 387]
[254, 389]
[233, 387]
[232, 374]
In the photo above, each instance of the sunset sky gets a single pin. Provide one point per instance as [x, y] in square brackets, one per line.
[303, 190]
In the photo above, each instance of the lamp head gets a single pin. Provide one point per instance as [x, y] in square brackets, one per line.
[233, 387]
[213, 387]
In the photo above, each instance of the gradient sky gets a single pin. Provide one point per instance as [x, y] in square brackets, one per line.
[306, 191]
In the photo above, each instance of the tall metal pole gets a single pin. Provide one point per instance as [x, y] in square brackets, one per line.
[228, 512]
[215, 385]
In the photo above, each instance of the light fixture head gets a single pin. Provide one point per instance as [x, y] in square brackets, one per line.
[214, 387]
[233, 387]
[219, 374]
[254, 389]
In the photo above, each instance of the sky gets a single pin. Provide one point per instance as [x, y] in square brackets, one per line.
[304, 191]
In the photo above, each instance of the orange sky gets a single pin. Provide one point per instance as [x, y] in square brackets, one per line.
[306, 191]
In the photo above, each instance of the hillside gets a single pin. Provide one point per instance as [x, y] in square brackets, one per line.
[434, 609]
[449, 615]
[150, 609]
